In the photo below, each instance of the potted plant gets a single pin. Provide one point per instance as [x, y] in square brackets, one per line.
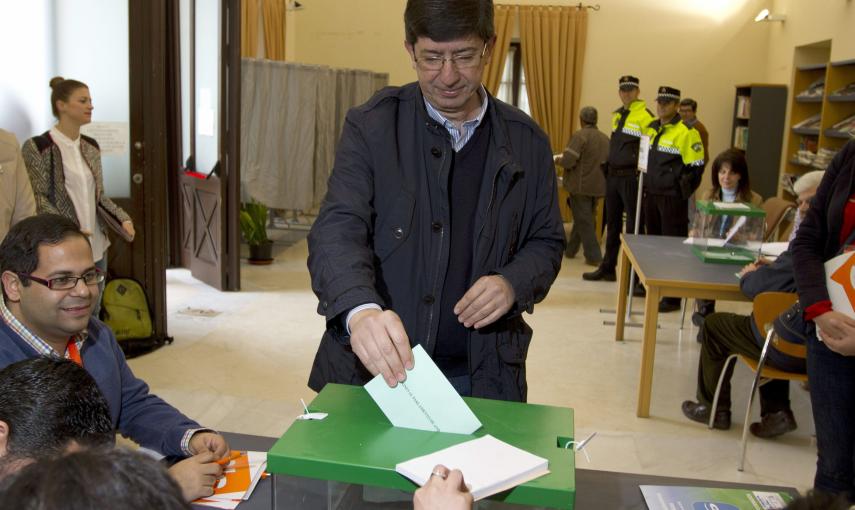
[253, 224]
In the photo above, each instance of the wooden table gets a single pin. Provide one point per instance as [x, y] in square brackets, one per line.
[667, 268]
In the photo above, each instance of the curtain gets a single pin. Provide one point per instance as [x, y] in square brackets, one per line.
[274, 29]
[291, 118]
[553, 51]
[504, 19]
[248, 28]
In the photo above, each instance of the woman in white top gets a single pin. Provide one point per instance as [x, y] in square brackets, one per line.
[65, 169]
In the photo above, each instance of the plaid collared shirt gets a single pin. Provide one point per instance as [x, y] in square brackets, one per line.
[459, 137]
[44, 349]
[39, 345]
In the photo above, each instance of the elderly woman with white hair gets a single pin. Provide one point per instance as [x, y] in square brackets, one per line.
[805, 188]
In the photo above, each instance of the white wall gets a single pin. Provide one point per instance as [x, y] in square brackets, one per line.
[86, 40]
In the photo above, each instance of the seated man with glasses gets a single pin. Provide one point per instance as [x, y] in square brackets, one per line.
[50, 284]
[440, 226]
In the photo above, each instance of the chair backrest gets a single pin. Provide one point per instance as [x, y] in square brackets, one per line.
[767, 307]
[776, 210]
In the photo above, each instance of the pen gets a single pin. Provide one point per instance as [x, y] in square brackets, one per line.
[233, 454]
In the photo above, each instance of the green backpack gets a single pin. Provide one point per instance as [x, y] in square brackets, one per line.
[125, 309]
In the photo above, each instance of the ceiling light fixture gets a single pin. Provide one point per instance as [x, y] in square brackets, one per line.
[765, 15]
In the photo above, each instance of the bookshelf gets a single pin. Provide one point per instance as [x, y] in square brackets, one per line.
[758, 129]
[822, 119]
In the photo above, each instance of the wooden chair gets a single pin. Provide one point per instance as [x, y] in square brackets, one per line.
[776, 212]
[767, 306]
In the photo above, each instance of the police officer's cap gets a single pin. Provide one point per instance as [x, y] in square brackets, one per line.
[667, 94]
[628, 82]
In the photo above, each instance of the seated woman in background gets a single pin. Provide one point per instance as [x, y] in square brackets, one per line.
[730, 183]
[65, 169]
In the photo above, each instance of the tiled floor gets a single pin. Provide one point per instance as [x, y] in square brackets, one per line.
[245, 370]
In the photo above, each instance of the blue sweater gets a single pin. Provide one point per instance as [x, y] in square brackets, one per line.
[136, 413]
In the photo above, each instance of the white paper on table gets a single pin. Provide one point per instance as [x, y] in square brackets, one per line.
[489, 466]
[705, 241]
[774, 249]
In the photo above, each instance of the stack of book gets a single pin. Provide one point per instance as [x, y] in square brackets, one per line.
[811, 122]
[846, 125]
[743, 107]
[740, 137]
[823, 158]
[847, 91]
[815, 89]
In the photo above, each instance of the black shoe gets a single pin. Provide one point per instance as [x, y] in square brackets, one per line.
[669, 305]
[701, 414]
[774, 424]
[600, 274]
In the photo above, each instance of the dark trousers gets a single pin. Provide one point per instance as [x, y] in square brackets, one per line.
[665, 215]
[621, 197]
[724, 334]
[832, 395]
[584, 232]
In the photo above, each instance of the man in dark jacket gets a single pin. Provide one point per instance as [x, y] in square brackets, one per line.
[441, 223]
[583, 161]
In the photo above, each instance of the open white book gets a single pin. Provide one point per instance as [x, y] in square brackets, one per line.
[489, 465]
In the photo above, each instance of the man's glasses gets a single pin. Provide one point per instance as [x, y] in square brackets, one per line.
[465, 60]
[92, 277]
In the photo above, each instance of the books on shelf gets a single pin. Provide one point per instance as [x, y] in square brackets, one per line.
[815, 89]
[847, 91]
[823, 158]
[740, 137]
[846, 125]
[743, 107]
[812, 122]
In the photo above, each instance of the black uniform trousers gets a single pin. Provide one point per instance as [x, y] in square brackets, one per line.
[621, 196]
[724, 334]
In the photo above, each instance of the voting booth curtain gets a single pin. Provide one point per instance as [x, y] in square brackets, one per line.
[291, 118]
[552, 40]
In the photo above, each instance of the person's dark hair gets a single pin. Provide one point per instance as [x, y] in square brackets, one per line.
[61, 90]
[49, 402]
[738, 164]
[818, 500]
[99, 478]
[690, 103]
[19, 251]
[446, 20]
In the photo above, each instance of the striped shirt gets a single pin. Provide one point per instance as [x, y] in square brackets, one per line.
[459, 137]
[38, 345]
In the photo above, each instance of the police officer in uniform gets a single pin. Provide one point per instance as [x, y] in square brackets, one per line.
[628, 123]
[675, 166]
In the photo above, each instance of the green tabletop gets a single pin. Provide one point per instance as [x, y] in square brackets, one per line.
[357, 444]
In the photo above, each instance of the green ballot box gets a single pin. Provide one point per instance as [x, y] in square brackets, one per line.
[356, 444]
[727, 233]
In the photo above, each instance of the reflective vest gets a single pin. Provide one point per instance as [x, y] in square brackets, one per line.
[675, 163]
[628, 124]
